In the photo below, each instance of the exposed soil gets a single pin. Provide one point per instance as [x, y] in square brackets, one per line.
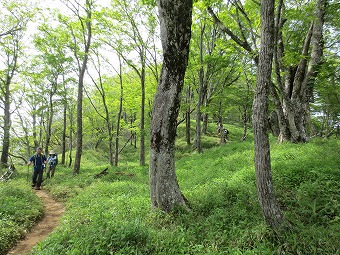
[52, 213]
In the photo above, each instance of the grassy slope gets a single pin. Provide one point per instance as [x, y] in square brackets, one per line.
[19, 210]
[112, 215]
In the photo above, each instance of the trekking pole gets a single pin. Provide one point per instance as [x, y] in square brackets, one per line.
[28, 172]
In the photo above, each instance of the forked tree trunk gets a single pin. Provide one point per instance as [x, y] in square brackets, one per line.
[294, 83]
[265, 189]
[175, 21]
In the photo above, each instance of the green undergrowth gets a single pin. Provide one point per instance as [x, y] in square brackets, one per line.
[112, 214]
[19, 210]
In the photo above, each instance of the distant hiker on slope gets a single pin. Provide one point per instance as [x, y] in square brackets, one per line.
[52, 161]
[39, 161]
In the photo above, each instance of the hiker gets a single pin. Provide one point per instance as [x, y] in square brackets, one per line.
[219, 128]
[39, 161]
[224, 136]
[52, 161]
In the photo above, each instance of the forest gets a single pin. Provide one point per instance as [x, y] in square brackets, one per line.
[131, 95]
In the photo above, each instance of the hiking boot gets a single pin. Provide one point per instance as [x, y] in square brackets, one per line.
[37, 188]
[33, 185]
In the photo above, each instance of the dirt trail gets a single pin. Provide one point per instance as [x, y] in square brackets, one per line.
[53, 211]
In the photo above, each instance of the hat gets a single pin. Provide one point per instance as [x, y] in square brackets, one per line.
[39, 148]
[52, 152]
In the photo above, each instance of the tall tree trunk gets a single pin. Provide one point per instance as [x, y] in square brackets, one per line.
[6, 127]
[5, 88]
[119, 116]
[246, 110]
[34, 126]
[142, 117]
[198, 144]
[63, 138]
[205, 123]
[70, 144]
[79, 134]
[198, 134]
[175, 23]
[50, 117]
[87, 44]
[265, 189]
[188, 116]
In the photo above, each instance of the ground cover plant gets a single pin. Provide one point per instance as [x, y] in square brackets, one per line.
[112, 215]
[19, 210]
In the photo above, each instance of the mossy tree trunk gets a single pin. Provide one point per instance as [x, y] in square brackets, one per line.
[175, 20]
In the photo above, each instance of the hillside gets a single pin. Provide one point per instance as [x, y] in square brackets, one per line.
[111, 214]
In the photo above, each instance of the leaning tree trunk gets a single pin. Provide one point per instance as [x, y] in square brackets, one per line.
[175, 21]
[265, 190]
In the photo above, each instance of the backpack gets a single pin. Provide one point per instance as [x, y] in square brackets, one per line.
[42, 157]
[54, 160]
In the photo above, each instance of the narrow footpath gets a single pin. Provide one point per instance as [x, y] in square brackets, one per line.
[52, 212]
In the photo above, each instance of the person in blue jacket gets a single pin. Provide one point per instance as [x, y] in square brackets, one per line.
[39, 160]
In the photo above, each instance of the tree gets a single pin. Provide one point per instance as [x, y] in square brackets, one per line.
[294, 89]
[54, 61]
[175, 24]
[82, 59]
[296, 59]
[136, 29]
[265, 190]
[13, 22]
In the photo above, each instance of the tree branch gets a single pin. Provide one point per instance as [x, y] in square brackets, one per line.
[244, 44]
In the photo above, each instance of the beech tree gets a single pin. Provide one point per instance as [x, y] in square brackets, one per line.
[55, 62]
[296, 64]
[81, 35]
[265, 190]
[175, 22]
[136, 28]
[13, 21]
